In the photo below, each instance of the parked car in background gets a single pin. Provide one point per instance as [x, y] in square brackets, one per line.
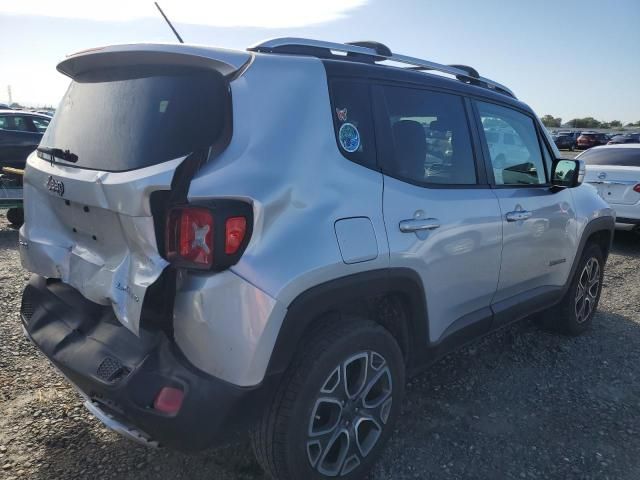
[565, 142]
[591, 139]
[625, 138]
[20, 134]
[615, 171]
[570, 133]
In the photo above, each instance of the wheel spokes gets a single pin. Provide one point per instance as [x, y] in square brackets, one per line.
[348, 416]
[354, 374]
[350, 464]
[332, 382]
[587, 290]
[367, 432]
[325, 416]
[335, 454]
[378, 389]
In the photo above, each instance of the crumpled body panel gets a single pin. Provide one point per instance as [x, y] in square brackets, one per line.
[94, 231]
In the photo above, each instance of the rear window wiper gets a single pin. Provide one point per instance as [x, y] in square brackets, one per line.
[59, 153]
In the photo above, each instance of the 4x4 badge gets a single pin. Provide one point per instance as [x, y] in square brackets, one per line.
[55, 186]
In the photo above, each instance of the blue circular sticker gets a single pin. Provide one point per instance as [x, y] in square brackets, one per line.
[349, 137]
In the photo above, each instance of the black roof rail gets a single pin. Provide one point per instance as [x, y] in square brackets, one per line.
[380, 48]
[371, 52]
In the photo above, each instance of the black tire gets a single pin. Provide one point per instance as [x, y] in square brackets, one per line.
[15, 216]
[283, 441]
[567, 317]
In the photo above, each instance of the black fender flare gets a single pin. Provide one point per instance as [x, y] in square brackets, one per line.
[597, 225]
[313, 304]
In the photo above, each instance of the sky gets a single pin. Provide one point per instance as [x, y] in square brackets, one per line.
[567, 58]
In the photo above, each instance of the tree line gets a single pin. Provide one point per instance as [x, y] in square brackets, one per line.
[587, 122]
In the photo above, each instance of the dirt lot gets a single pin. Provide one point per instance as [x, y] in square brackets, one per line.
[520, 404]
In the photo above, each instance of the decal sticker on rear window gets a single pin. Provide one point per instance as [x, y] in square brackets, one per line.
[342, 114]
[349, 137]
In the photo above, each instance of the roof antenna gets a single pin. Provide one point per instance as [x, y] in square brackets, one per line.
[167, 20]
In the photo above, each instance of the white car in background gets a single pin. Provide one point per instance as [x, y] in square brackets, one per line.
[615, 171]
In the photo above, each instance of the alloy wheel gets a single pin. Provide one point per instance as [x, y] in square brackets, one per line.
[349, 414]
[587, 290]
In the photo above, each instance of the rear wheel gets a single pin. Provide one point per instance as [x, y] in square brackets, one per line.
[574, 314]
[336, 407]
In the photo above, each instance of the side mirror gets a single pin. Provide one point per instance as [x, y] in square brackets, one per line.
[567, 173]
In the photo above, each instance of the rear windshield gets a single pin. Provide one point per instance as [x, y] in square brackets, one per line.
[624, 157]
[121, 119]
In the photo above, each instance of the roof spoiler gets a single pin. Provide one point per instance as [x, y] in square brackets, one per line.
[227, 62]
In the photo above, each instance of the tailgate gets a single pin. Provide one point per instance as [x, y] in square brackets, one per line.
[131, 116]
[94, 230]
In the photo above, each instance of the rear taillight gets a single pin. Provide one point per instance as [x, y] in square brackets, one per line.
[234, 232]
[637, 188]
[208, 237]
[189, 237]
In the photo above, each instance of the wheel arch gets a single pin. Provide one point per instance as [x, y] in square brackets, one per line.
[599, 231]
[360, 294]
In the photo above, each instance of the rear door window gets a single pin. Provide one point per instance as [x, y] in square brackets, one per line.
[120, 119]
[427, 139]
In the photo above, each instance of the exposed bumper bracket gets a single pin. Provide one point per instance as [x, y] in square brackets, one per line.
[127, 431]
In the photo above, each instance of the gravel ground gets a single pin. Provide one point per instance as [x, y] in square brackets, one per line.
[520, 404]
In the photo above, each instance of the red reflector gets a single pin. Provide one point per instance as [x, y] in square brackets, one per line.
[168, 400]
[235, 230]
[637, 188]
[189, 237]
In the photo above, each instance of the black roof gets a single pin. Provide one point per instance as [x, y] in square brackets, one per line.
[408, 76]
[22, 113]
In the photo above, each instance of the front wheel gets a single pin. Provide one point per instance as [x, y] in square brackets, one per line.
[336, 407]
[574, 314]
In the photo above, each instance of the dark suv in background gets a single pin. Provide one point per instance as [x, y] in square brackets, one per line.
[20, 134]
[591, 139]
[565, 141]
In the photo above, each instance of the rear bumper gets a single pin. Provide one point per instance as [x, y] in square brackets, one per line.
[627, 214]
[120, 374]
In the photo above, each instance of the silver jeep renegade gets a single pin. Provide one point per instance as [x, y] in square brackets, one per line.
[270, 241]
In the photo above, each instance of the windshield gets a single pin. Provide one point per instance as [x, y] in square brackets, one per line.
[121, 119]
[624, 157]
